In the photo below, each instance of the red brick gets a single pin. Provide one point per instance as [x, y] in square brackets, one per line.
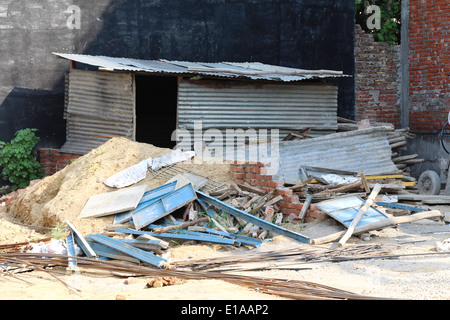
[287, 212]
[250, 176]
[237, 175]
[290, 205]
[290, 198]
[237, 169]
[314, 215]
[273, 184]
[284, 191]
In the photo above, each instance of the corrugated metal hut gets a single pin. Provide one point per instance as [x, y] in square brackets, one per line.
[146, 100]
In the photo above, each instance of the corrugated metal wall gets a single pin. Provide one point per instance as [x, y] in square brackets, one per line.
[234, 105]
[268, 106]
[100, 104]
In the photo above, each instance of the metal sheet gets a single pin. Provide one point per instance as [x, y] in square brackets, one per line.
[250, 218]
[125, 248]
[100, 106]
[237, 110]
[163, 206]
[184, 237]
[345, 209]
[361, 150]
[258, 106]
[243, 70]
[148, 199]
[113, 202]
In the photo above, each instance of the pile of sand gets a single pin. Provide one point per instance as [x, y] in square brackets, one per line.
[63, 195]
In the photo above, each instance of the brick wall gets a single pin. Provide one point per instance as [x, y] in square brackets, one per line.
[259, 174]
[52, 160]
[429, 64]
[377, 80]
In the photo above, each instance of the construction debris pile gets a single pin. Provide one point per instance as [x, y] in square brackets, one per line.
[139, 204]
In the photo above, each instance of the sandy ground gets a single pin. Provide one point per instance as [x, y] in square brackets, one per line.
[424, 277]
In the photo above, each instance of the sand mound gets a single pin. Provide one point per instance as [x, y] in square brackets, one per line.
[63, 195]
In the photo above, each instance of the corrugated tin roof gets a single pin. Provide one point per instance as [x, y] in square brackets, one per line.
[248, 70]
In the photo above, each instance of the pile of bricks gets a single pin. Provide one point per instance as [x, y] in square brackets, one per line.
[259, 174]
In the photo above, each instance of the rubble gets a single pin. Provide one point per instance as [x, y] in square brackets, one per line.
[136, 207]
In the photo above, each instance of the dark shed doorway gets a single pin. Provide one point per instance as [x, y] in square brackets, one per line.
[156, 109]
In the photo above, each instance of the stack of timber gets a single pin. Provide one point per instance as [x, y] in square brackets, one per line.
[252, 200]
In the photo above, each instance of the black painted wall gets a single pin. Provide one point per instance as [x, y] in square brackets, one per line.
[309, 34]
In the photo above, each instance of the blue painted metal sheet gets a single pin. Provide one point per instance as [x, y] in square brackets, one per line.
[149, 197]
[165, 205]
[240, 238]
[401, 206]
[70, 242]
[250, 218]
[103, 251]
[345, 209]
[142, 255]
[184, 237]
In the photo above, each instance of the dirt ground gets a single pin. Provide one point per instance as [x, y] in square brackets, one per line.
[417, 277]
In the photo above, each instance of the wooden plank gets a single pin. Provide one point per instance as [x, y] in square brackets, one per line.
[247, 187]
[113, 202]
[364, 181]
[305, 206]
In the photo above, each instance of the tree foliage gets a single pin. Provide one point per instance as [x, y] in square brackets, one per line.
[390, 19]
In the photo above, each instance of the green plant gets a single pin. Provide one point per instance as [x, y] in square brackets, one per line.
[18, 159]
[60, 231]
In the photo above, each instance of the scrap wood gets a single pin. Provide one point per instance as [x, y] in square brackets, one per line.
[341, 189]
[250, 188]
[389, 222]
[305, 206]
[21, 246]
